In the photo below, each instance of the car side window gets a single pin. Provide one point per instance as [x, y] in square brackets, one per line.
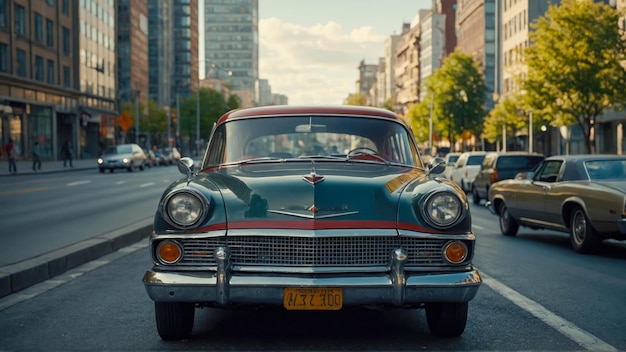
[549, 172]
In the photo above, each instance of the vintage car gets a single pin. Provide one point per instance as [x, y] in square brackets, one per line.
[311, 208]
[583, 195]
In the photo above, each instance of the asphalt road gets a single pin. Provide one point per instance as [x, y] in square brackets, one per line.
[538, 295]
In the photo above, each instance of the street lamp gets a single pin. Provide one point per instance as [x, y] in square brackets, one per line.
[530, 131]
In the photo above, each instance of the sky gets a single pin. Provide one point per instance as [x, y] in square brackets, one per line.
[310, 50]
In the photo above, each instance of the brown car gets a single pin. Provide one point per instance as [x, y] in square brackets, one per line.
[583, 195]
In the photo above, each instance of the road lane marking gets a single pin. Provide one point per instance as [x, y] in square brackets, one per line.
[119, 182]
[77, 183]
[25, 190]
[146, 184]
[567, 328]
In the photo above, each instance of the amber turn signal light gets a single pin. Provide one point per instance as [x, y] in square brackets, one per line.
[169, 252]
[455, 252]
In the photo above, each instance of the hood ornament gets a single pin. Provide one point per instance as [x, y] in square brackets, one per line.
[313, 177]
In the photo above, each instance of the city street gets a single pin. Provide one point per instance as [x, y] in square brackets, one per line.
[537, 295]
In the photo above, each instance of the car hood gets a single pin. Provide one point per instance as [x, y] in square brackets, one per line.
[117, 156]
[312, 191]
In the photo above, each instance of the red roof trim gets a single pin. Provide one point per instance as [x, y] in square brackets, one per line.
[281, 110]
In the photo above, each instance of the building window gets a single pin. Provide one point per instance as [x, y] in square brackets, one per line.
[49, 32]
[20, 20]
[65, 7]
[4, 57]
[38, 28]
[39, 68]
[67, 83]
[3, 13]
[50, 2]
[20, 56]
[50, 71]
[66, 41]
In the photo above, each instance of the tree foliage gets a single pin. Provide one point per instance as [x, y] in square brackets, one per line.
[212, 106]
[506, 114]
[457, 91]
[357, 99]
[574, 69]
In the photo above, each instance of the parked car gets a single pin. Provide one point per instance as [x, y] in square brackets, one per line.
[123, 156]
[172, 155]
[311, 208]
[498, 166]
[161, 159]
[466, 168]
[150, 157]
[584, 195]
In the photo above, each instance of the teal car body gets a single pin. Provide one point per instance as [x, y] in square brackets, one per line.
[312, 208]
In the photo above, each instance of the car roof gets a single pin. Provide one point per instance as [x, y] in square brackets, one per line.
[283, 110]
[585, 157]
[516, 153]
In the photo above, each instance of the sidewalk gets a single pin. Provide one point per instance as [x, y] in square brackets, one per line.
[25, 166]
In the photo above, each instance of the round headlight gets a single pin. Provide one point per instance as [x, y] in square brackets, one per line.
[185, 209]
[443, 209]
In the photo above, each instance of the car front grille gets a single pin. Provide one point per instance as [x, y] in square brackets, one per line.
[313, 251]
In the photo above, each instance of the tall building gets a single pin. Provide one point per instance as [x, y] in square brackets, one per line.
[185, 78]
[475, 28]
[98, 77]
[132, 59]
[160, 52]
[39, 76]
[432, 45]
[231, 41]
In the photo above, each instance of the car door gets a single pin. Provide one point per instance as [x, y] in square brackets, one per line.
[535, 196]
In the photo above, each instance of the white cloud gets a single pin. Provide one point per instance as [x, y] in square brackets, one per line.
[314, 65]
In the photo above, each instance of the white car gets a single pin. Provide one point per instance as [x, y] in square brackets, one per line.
[466, 168]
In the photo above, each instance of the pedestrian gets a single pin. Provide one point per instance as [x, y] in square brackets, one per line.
[36, 156]
[67, 152]
[12, 152]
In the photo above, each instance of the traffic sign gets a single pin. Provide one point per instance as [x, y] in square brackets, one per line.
[125, 121]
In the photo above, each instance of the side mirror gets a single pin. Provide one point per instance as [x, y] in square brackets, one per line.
[186, 166]
[436, 165]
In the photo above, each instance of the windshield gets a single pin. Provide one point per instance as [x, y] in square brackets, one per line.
[120, 149]
[305, 137]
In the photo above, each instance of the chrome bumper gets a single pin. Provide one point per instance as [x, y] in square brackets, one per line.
[212, 287]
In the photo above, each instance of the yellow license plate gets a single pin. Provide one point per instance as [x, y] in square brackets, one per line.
[313, 298]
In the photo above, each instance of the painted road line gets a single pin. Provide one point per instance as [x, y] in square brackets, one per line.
[77, 183]
[25, 190]
[567, 328]
[146, 184]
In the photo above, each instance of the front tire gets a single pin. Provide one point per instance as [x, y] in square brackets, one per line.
[508, 225]
[174, 320]
[583, 236]
[446, 319]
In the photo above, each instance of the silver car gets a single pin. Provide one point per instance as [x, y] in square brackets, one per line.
[123, 156]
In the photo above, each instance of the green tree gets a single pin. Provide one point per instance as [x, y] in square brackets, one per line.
[212, 106]
[458, 93]
[506, 114]
[357, 99]
[574, 65]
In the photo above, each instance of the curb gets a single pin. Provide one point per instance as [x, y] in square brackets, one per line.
[18, 276]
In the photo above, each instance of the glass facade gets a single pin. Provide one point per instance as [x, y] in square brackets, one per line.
[231, 41]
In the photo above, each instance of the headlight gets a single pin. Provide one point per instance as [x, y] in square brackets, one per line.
[442, 209]
[100, 161]
[185, 208]
[126, 160]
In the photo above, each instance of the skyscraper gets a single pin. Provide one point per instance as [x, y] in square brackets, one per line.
[231, 42]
